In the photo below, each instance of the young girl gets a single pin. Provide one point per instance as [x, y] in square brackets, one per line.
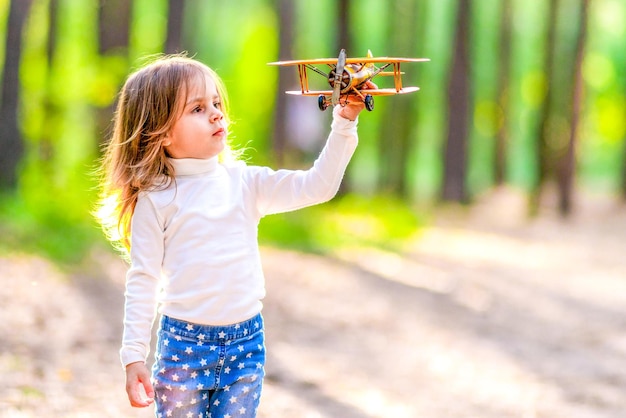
[187, 217]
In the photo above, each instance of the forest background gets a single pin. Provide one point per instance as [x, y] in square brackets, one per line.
[472, 265]
[519, 93]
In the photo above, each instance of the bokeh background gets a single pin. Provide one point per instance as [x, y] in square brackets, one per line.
[496, 189]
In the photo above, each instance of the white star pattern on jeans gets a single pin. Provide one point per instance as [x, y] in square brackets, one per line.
[222, 377]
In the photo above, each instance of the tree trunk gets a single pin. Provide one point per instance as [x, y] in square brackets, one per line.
[399, 117]
[623, 182]
[114, 26]
[53, 13]
[51, 110]
[114, 19]
[559, 125]
[503, 92]
[455, 156]
[343, 27]
[344, 41]
[567, 163]
[11, 141]
[174, 37]
[286, 78]
[543, 147]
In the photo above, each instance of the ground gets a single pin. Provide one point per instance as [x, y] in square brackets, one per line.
[485, 315]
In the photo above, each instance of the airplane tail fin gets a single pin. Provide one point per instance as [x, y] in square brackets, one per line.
[370, 55]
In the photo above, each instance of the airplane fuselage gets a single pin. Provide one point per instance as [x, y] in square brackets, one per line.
[354, 76]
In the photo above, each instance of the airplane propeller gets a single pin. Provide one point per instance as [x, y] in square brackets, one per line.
[341, 63]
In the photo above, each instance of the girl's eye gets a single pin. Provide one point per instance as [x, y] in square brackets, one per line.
[197, 109]
[217, 105]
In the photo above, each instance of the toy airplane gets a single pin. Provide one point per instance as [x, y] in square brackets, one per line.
[349, 76]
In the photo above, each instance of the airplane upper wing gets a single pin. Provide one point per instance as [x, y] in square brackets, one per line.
[373, 92]
[372, 60]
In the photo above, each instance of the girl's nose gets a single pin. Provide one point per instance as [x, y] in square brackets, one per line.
[216, 115]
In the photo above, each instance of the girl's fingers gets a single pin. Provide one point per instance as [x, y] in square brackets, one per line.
[138, 387]
[148, 391]
[137, 395]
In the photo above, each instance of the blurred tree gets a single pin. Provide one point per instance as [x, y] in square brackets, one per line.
[503, 92]
[399, 113]
[559, 115]
[10, 134]
[51, 111]
[114, 19]
[543, 146]
[53, 12]
[286, 78]
[623, 172]
[455, 153]
[174, 35]
[114, 26]
[623, 180]
[566, 164]
[344, 40]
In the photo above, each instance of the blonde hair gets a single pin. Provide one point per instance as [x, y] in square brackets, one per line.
[134, 159]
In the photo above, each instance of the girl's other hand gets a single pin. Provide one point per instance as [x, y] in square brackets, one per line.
[355, 104]
[138, 387]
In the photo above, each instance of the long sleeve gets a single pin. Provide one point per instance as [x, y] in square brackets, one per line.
[286, 190]
[142, 282]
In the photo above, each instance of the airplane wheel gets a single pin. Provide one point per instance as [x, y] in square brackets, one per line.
[321, 102]
[369, 102]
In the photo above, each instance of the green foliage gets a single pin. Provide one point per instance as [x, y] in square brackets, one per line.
[63, 97]
[347, 221]
[49, 212]
[44, 227]
[148, 28]
[604, 128]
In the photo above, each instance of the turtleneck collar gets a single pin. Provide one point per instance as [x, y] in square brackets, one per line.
[193, 166]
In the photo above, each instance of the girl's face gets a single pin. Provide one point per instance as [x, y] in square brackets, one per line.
[200, 130]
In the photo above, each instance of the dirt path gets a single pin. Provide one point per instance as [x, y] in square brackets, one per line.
[485, 315]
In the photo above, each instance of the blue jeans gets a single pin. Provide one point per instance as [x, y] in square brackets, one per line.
[204, 371]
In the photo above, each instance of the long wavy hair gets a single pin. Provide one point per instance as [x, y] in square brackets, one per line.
[134, 158]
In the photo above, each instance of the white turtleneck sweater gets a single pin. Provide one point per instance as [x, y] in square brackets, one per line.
[194, 249]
